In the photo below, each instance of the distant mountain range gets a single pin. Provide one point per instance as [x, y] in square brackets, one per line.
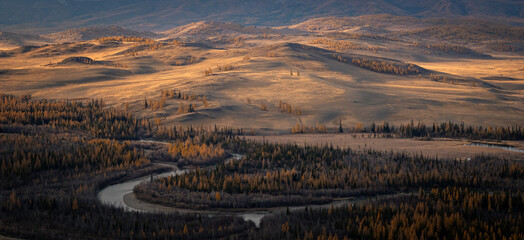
[43, 16]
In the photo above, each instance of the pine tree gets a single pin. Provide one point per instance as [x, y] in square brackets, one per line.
[74, 205]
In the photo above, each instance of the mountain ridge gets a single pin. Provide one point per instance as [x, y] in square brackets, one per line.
[161, 15]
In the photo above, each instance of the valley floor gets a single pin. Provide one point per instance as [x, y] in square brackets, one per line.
[441, 147]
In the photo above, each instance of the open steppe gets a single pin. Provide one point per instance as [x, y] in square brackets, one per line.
[479, 87]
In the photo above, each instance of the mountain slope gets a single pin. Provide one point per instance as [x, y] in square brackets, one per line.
[164, 14]
[89, 33]
[204, 29]
[10, 40]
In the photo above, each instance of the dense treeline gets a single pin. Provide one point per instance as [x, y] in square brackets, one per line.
[195, 153]
[428, 131]
[344, 46]
[24, 158]
[384, 67]
[227, 137]
[316, 173]
[76, 115]
[380, 66]
[196, 146]
[449, 213]
[84, 217]
[451, 130]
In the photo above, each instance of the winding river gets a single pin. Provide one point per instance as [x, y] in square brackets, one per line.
[121, 195]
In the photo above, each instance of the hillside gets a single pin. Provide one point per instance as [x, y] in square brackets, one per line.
[10, 40]
[90, 33]
[206, 29]
[163, 14]
[246, 84]
[456, 33]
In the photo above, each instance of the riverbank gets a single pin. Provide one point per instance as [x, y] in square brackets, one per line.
[249, 214]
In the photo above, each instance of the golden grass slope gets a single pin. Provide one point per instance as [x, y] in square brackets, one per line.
[326, 90]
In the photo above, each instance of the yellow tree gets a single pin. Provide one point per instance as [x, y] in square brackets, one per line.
[74, 205]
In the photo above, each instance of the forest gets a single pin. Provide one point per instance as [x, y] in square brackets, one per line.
[450, 130]
[380, 66]
[90, 116]
[272, 175]
[57, 154]
[447, 213]
[345, 46]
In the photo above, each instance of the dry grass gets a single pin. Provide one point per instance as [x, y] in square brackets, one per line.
[326, 90]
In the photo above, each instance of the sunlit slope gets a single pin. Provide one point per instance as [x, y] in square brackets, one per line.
[325, 89]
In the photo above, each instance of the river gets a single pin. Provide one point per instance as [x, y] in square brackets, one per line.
[507, 148]
[115, 195]
[121, 195]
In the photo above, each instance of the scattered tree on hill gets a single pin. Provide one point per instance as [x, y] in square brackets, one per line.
[208, 72]
[286, 107]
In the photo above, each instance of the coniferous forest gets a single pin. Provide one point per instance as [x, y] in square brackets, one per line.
[56, 155]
